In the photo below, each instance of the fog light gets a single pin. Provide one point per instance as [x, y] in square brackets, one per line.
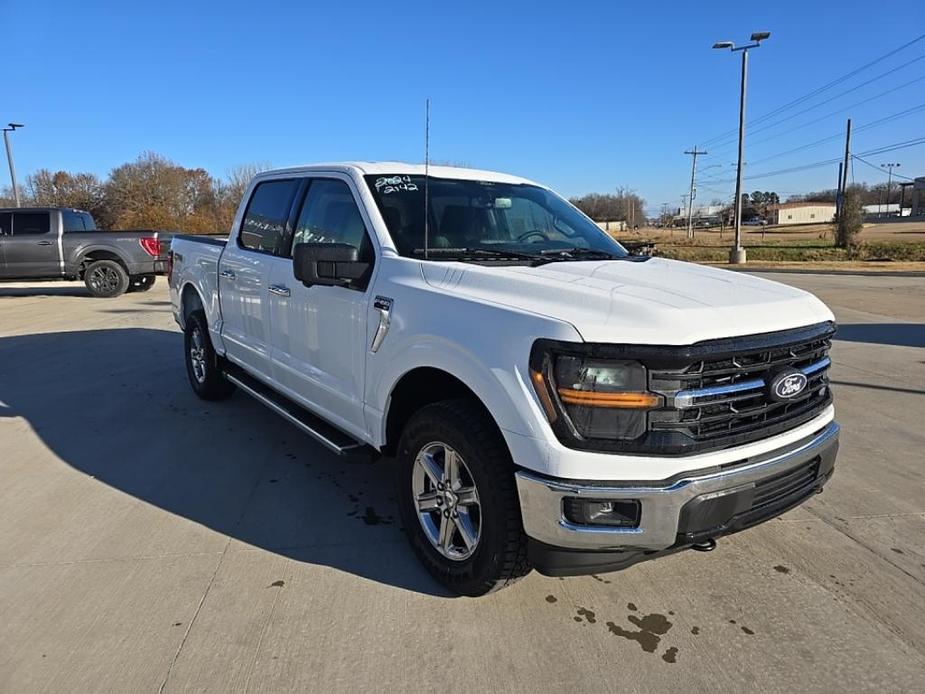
[620, 513]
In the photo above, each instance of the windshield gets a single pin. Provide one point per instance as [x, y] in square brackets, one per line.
[483, 219]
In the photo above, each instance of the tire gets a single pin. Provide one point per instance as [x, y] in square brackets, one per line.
[203, 365]
[141, 283]
[106, 279]
[498, 558]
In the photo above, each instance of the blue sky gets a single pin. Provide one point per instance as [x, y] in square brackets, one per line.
[584, 97]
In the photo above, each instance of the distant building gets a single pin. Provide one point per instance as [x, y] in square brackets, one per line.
[801, 213]
[881, 210]
[918, 196]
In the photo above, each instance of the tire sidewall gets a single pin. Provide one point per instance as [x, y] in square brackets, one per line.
[121, 288]
[197, 321]
[469, 575]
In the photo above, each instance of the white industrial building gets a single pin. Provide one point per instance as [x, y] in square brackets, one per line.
[801, 213]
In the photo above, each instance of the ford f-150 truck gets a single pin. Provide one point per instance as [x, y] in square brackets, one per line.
[550, 401]
[63, 243]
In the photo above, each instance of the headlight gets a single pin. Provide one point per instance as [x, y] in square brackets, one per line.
[598, 398]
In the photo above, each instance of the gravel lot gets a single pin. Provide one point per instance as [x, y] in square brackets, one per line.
[150, 541]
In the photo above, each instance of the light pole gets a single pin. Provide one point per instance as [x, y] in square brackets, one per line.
[889, 184]
[9, 157]
[737, 254]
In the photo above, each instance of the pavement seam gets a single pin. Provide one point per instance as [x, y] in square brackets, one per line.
[870, 549]
[105, 560]
[263, 632]
[192, 621]
[205, 593]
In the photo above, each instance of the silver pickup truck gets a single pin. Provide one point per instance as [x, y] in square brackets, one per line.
[63, 243]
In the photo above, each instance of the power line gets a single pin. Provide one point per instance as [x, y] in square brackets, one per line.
[874, 166]
[819, 90]
[729, 147]
[839, 135]
[828, 162]
[831, 98]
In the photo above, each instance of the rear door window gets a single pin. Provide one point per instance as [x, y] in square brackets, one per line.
[30, 223]
[264, 224]
[73, 221]
[6, 223]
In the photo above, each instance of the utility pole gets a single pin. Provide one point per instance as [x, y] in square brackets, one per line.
[889, 185]
[737, 254]
[9, 157]
[838, 192]
[690, 200]
[844, 180]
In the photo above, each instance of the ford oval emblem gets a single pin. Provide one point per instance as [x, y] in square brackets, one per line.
[787, 385]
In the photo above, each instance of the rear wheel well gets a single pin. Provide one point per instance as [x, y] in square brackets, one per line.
[189, 302]
[93, 256]
[416, 389]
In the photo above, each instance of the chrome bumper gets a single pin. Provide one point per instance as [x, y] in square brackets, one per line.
[660, 503]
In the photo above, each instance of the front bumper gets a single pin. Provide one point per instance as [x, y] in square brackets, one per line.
[688, 509]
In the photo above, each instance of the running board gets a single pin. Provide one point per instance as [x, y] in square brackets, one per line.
[326, 434]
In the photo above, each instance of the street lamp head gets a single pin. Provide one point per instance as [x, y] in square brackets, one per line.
[761, 35]
[16, 125]
[724, 44]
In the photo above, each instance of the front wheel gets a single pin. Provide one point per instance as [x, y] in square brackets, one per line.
[202, 363]
[458, 499]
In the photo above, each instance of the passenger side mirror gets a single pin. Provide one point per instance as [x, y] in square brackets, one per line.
[328, 264]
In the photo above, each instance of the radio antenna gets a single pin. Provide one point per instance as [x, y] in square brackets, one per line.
[426, 175]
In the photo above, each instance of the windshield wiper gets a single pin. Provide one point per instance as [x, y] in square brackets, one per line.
[578, 252]
[475, 252]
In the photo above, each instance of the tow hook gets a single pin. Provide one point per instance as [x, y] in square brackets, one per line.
[705, 546]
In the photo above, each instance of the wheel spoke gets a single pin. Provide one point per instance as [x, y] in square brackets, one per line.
[451, 467]
[427, 502]
[464, 524]
[432, 468]
[446, 532]
[467, 496]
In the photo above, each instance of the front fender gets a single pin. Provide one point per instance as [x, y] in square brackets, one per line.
[484, 345]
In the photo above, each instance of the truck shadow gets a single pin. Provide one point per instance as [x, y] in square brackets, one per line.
[900, 334]
[45, 289]
[115, 405]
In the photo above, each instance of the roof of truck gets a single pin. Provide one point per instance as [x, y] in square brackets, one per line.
[391, 168]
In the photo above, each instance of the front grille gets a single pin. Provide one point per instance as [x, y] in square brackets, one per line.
[723, 399]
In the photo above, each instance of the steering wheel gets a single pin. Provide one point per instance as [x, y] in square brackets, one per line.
[541, 236]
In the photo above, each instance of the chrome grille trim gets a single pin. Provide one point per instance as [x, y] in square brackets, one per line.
[688, 398]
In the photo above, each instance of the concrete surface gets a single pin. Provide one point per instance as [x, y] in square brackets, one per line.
[150, 541]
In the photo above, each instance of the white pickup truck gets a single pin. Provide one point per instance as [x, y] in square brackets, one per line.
[551, 401]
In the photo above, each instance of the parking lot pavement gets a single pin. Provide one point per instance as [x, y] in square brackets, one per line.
[150, 541]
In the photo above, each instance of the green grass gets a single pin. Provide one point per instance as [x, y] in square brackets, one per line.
[809, 250]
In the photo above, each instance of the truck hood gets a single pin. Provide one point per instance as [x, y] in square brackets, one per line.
[656, 301]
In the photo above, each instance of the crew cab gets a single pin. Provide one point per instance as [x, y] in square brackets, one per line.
[62, 243]
[551, 402]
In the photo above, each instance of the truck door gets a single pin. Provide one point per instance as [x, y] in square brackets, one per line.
[319, 334]
[32, 250]
[6, 231]
[243, 273]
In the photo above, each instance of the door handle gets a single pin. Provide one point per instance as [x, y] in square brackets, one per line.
[279, 290]
[44, 243]
[228, 274]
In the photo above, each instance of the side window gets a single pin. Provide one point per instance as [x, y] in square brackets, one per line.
[6, 223]
[330, 215]
[30, 223]
[73, 221]
[264, 221]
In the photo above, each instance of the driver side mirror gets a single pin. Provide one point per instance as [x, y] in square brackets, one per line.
[328, 264]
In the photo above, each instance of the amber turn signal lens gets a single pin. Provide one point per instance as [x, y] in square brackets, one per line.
[542, 392]
[630, 401]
